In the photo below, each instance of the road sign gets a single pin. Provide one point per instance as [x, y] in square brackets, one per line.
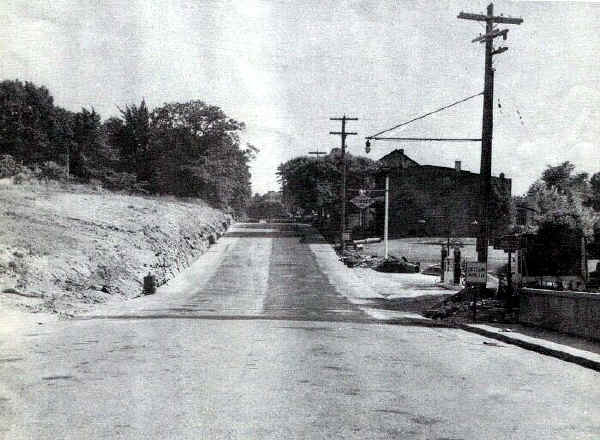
[476, 273]
[362, 201]
[346, 236]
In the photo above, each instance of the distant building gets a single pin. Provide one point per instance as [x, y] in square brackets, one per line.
[437, 201]
[272, 196]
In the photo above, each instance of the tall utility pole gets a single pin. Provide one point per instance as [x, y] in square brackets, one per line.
[343, 135]
[319, 154]
[488, 116]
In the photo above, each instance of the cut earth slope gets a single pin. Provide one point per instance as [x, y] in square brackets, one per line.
[64, 248]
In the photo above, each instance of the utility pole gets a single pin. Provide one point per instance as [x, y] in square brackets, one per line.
[488, 114]
[343, 135]
[387, 217]
[319, 154]
[68, 162]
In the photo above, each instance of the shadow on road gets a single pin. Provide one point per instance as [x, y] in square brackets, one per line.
[306, 233]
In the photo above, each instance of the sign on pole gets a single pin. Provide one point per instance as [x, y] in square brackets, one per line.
[362, 201]
[476, 273]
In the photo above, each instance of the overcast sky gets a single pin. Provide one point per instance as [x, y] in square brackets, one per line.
[286, 67]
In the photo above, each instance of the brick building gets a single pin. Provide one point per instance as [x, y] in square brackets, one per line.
[427, 200]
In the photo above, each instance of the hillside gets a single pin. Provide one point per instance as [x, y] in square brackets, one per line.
[64, 248]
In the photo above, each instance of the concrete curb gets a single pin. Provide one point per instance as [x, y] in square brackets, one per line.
[565, 353]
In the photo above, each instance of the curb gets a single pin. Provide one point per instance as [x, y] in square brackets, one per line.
[538, 348]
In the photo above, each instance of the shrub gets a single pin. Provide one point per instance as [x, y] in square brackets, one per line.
[52, 171]
[121, 181]
[24, 176]
[8, 166]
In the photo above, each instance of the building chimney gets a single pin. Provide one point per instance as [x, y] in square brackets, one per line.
[457, 166]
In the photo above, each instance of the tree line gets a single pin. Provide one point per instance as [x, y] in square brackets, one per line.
[311, 184]
[189, 149]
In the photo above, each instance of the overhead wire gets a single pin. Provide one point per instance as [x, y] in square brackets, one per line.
[425, 115]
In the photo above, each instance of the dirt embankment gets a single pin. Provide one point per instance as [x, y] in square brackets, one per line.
[62, 249]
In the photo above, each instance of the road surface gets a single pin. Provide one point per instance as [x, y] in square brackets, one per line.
[268, 337]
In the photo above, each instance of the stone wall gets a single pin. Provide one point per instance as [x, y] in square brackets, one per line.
[575, 313]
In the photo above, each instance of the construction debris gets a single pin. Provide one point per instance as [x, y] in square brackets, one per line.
[459, 308]
[353, 258]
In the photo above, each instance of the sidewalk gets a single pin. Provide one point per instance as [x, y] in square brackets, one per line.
[397, 298]
[568, 348]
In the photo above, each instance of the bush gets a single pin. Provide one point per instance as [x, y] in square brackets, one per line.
[123, 182]
[8, 166]
[52, 171]
[20, 173]
[24, 176]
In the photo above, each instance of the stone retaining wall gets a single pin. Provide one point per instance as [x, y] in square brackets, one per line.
[575, 313]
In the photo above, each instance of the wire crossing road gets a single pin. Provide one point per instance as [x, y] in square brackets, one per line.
[265, 337]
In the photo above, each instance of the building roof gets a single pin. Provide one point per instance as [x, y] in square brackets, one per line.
[398, 156]
[397, 159]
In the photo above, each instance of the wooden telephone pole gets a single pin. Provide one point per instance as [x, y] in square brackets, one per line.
[488, 116]
[343, 135]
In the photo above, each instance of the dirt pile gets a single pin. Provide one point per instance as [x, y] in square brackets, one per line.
[459, 308]
[65, 248]
[355, 258]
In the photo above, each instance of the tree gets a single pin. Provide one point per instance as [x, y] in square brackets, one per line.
[189, 149]
[558, 176]
[259, 208]
[560, 198]
[593, 199]
[131, 135]
[29, 130]
[88, 153]
[196, 149]
[312, 184]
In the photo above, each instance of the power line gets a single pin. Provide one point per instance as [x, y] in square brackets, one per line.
[424, 139]
[424, 116]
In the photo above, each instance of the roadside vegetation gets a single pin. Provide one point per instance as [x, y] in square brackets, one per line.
[562, 197]
[189, 149]
[91, 207]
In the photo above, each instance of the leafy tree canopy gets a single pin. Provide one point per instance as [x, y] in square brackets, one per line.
[561, 197]
[189, 149]
[311, 184]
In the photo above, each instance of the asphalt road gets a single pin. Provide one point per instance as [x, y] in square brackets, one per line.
[258, 340]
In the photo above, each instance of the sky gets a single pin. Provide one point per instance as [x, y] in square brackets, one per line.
[286, 67]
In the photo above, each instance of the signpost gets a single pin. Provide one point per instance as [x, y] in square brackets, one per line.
[510, 244]
[476, 277]
[362, 201]
[476, 273]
